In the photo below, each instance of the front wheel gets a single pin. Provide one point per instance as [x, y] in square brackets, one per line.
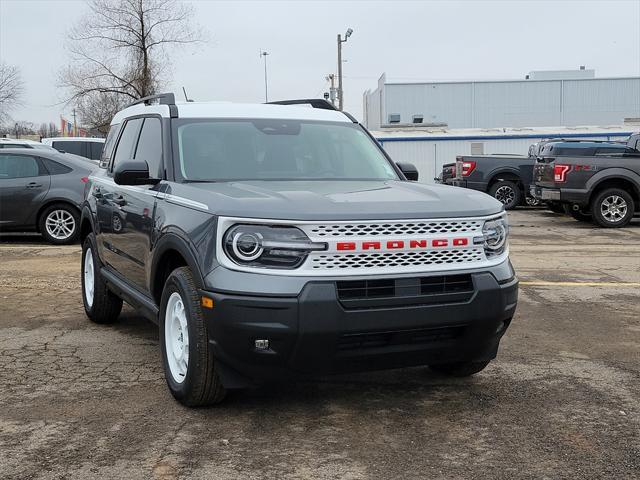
[460, 369]
[187, 356]
[613, 208]
[506, 192]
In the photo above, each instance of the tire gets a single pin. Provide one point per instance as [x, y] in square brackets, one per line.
[555, 207]
[100, 304]
[578, 215]
[612, 208]
[197, 383]
[59, 223]
[460, 369]
[506, 192]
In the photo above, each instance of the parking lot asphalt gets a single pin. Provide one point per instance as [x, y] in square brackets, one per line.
[562, 400]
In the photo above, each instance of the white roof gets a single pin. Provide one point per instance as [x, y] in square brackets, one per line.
[236, 110]
[49, 140]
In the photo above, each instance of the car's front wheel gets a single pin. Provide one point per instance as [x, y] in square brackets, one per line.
[187, 356]
[59, 224]
[100, 304]
[460, 369]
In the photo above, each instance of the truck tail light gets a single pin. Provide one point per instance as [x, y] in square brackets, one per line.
[560, 173]
[84, 179]
[467, 168]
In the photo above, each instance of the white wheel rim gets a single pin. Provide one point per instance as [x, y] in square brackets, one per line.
[60, 224]
[176, 338]
[614, 208]
[505, 194]
[88, 277]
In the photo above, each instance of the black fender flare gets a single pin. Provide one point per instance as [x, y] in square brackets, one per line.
[615, 173]
[174, 241]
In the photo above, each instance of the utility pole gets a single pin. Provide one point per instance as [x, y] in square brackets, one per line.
[266, 91]
[340, 42]
[75, 128]
[332, 91]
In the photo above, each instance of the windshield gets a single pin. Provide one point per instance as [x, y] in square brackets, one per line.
[268, 149]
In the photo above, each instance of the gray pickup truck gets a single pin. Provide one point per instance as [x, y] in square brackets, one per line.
[603, 186]
[508, 178]
[278, 241]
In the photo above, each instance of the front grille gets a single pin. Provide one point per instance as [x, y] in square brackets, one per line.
[394, 228]
[360, 341]
[363, 261]
[392, 292]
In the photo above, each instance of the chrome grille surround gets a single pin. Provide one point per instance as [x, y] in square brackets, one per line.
[388, 258]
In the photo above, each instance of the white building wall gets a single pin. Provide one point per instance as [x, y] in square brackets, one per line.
[519, 103]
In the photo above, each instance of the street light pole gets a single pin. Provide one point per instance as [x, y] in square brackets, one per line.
[266, 91]
[340, 42]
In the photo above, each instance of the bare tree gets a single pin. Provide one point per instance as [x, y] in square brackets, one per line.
[120, 52]
[11, 90]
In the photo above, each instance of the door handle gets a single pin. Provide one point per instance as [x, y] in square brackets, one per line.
[33, 185]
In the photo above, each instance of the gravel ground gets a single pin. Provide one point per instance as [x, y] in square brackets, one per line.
[562, 400]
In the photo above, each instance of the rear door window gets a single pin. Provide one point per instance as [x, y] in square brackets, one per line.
[76, 148]
[18, 166]
[95, 150]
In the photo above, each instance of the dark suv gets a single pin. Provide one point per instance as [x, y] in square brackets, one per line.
[277, 241]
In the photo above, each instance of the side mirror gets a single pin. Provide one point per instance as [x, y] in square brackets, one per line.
[133, 173]
[409, 170]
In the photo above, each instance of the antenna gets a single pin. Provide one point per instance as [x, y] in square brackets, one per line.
[185, 95]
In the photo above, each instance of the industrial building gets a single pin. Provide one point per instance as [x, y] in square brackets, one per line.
[541, 99]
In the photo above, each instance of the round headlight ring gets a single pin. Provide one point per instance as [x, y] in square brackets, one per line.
[495, 232]
[247, 246]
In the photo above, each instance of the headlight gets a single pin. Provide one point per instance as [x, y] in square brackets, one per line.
[495, 233]
[266, 246]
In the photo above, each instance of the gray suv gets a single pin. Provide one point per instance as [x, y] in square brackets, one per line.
[280, 241]
[42, 190]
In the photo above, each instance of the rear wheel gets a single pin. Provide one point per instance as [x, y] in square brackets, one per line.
[100, 304]
[506, 192]
[187, 356]
[613, 208]
[460, 369]
[59, 224]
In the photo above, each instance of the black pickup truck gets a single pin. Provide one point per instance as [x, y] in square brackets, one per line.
[508, 178]
[603, 186]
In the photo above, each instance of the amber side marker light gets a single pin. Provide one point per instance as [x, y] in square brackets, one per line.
[207, 302]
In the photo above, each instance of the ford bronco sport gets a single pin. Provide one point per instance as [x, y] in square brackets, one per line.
[278, 241]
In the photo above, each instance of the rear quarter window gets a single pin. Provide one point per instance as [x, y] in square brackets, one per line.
[55, 168]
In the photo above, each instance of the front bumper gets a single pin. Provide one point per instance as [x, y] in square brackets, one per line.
[320, 332]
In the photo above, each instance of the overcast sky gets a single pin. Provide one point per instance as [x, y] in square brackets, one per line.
[409, 40]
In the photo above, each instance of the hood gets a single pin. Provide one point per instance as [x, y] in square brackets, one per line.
[337, 200]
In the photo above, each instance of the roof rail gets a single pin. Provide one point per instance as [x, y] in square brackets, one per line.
[314, 102]
[320, 103]
[162, 98]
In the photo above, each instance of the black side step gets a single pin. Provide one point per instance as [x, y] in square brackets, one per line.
[130, 294]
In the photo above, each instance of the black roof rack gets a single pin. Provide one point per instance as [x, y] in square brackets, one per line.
[162, 99]
[314, 102]
[320, 103]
